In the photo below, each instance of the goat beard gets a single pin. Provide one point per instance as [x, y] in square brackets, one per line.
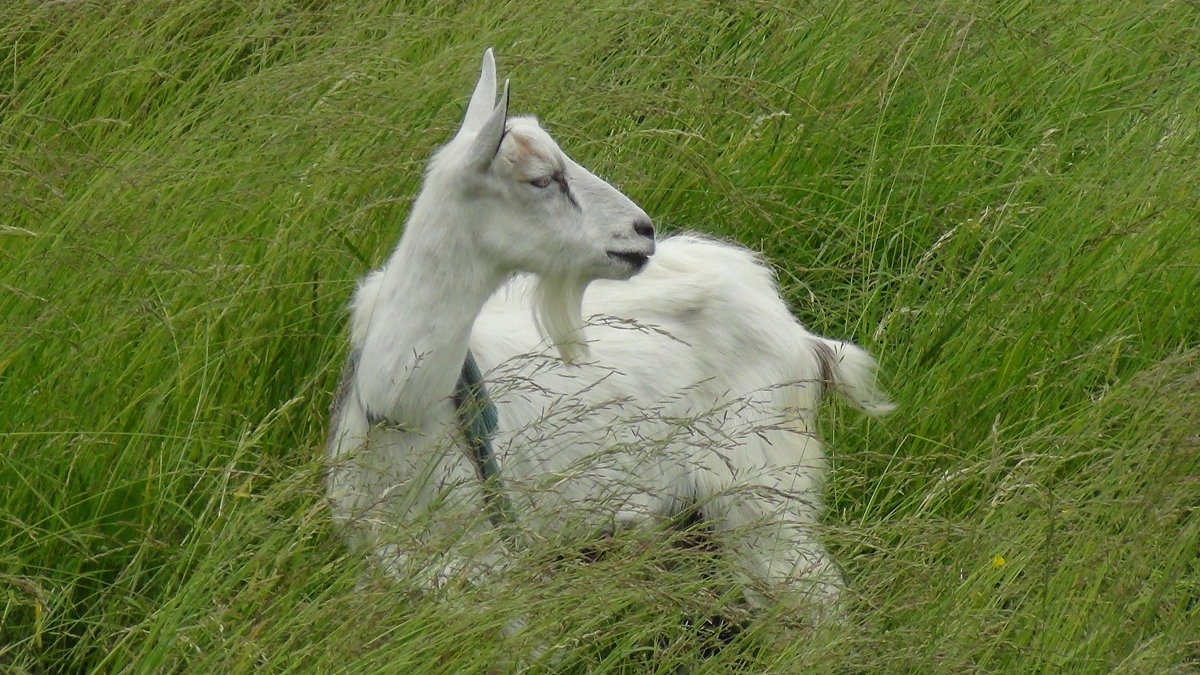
[558, 312]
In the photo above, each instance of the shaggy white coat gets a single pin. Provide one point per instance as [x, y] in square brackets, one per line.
[691, 386]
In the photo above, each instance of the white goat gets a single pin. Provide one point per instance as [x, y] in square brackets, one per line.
[693, 390]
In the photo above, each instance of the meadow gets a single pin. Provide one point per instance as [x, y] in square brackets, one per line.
[1001, 201]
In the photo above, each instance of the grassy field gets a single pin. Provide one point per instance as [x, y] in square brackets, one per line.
[1000, 200]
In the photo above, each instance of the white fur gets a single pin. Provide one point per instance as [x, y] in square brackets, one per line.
[691, 385]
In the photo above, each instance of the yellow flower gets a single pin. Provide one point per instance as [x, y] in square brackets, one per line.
[998, 562]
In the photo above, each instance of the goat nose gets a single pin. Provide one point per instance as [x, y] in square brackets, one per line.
[644, 228]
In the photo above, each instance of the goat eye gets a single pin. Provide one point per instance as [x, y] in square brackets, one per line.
[542, 182]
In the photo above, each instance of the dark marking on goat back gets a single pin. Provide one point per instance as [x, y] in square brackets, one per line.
[826, 358]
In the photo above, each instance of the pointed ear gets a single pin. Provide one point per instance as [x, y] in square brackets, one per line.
[484, 98]
[487, 140]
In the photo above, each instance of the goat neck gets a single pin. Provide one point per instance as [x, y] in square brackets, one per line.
[418, 324]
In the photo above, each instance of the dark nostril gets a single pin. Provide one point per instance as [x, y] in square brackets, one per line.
[644, 228]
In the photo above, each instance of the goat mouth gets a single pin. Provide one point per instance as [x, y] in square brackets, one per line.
[634, 259]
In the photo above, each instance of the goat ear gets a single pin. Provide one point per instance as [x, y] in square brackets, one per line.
[487, 140]
[483, 100]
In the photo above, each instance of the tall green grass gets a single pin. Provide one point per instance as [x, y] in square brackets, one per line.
[1000, 200]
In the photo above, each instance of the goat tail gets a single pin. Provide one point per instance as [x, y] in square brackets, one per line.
[850, 371]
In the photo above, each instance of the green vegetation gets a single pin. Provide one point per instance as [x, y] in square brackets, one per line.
[1000, 200]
